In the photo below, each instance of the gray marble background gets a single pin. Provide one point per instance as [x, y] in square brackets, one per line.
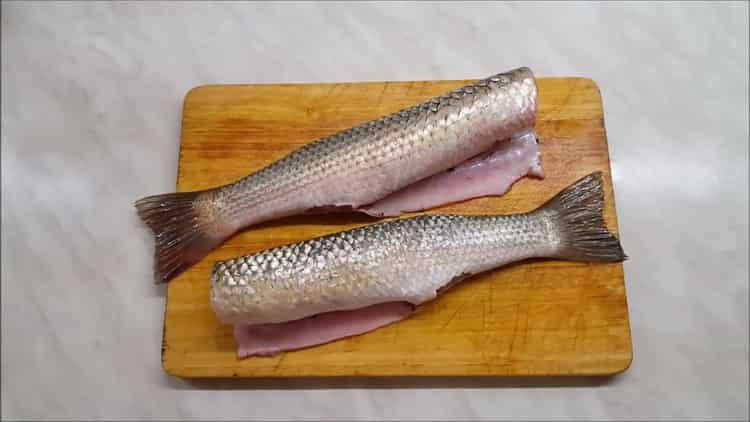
[91, 107]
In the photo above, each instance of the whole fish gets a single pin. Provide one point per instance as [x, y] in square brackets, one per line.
[351, 282]
[483, 129]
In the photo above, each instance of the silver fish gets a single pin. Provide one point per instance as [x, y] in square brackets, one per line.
[358, 168]
[351, 282]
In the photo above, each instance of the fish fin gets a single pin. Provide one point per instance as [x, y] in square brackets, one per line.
[577, 211]
[184, 231]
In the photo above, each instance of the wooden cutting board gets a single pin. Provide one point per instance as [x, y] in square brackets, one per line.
[533, 318]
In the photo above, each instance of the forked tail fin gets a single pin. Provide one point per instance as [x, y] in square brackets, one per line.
[577, 212]
[184, 231]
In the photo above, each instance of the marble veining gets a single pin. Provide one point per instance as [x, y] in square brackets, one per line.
[91, 107]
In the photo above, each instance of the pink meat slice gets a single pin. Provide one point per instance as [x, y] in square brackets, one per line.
[490, 173]
[270, 339]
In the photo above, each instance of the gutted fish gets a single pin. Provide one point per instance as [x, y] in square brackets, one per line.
[447, 147]
[355, 281]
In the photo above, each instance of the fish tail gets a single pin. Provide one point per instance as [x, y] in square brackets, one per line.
[577, 212]
[185, 230]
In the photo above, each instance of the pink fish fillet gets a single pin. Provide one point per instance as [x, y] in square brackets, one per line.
[489, 174]
[271, 339]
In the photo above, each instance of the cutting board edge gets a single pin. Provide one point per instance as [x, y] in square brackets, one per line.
[188, 373]
[201, 87]
[198, 90]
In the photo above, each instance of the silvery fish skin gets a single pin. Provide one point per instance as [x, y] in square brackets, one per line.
[409, 260]
[352, 169]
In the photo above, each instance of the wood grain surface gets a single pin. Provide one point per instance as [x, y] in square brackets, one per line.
[531, 318]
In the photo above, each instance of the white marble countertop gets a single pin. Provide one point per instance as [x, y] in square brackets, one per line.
[91, 107]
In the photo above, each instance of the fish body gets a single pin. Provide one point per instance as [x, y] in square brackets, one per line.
[353, 169]
[350, 282]
[408, 260]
